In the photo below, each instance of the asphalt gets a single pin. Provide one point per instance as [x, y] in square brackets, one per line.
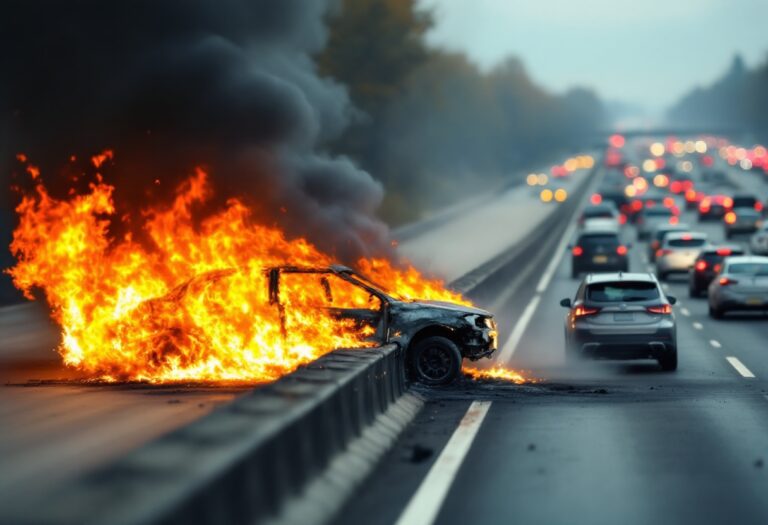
[601, 442]
[55, 427]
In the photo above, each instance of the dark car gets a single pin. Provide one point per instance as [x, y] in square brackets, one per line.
[621, 316]
[436, 335]
[741, 220]
[745, 200]
[598, 251]
[707, 265]
[714, 207]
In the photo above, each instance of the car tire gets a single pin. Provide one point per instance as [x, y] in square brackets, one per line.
[668, 362]
[715, 313]
[435, 360]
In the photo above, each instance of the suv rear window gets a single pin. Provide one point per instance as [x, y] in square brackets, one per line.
[622, 292]
[744, 201]
[658, 212]
[748, 269]
[713, 257]
[589, 241]
[686, 243]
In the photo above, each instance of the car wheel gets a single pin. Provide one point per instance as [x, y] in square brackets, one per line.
[715, 313]
[668, 361]
[436, 360]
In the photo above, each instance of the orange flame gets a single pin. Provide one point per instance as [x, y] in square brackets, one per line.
[497, 372]
[192, 303]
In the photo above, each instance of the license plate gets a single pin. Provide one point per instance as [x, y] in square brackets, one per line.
[754, 300]
[624, 316]
[601, 259]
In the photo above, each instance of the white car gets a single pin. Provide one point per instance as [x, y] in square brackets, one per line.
[678, 252]
[759, 242]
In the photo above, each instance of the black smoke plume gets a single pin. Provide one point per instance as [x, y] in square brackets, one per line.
[172, 84]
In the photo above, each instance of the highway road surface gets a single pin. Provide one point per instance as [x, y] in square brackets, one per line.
[601, 443]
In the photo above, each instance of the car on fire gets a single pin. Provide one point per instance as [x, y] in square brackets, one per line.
[436, 335]
[620, 316]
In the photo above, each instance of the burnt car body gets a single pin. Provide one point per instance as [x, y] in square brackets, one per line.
[436, 335]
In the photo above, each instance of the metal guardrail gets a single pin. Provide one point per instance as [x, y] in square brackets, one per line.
[241, 462]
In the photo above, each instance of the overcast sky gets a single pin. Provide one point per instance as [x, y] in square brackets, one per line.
[641, 51]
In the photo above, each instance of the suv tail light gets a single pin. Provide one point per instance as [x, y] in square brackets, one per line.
[663, 252]
[621, 250]
[674, 219]
[578, 251]
[758, 206]
[700, 266]
[724, 251]
[663, 309]
[725, 281]
[584, 311]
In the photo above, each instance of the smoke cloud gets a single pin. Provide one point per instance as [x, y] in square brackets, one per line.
[172, 84]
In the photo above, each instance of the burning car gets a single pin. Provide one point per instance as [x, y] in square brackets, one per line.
[437, 335]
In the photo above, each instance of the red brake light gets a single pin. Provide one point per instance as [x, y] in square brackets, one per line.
[637, 205]
[596, 198]
[724, 251]
[583, 311]
[578, 250]
[690, 195]
[674, 219]
[662, 252]
[622, 219]
[701, 266]
[758, 206]
[621, 250]
[663, 309]
[686, 236]
[725, 281]
[669, 202]
[730, 217]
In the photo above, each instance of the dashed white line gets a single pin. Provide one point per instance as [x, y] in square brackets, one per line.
[697, 325]
[740, 368]
[715, 343]
[685, 312]
[425, 504]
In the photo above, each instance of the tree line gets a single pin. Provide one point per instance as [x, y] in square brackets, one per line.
[430, 124]
[737, 100]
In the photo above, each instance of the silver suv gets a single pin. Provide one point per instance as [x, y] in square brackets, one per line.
[621, 316]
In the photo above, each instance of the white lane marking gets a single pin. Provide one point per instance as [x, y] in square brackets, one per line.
[739, 366]
[715, 343]
[685, 312]
[517, 333]
[555, 262]
[428, 499]
[697, 325]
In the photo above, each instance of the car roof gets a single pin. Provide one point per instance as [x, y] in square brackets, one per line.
[747, 259]
[685, 235]
[606, 277]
